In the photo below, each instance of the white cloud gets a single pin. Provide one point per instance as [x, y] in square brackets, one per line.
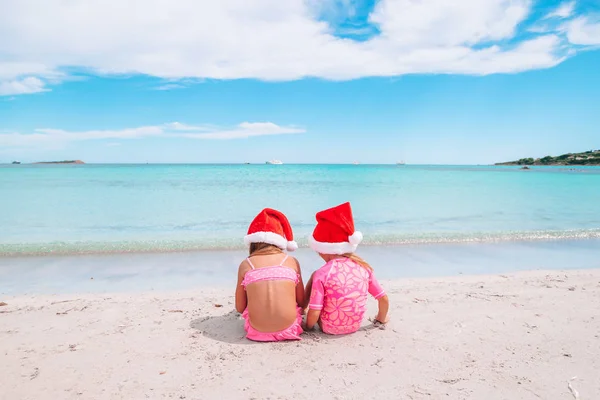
[263, 39]
[565, 10]
[178, 126]
[246, 130]
[418, 24]
[583, 31]
[27, 85]
[170, 86]
[55, 137]
[13, 70]
[25, 77]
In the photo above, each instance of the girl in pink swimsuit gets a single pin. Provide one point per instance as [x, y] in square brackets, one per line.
[269, 291]
[338, 290]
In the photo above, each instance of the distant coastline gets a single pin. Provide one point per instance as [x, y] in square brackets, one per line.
[591, 157]
[61, 162]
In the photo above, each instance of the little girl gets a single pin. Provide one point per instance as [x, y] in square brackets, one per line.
[338, 290]
[269, 289]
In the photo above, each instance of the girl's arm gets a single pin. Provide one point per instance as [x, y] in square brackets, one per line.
[384, 306]
[377, 291]
[241, 300]
[315, 295]
[300, 288]
[307, 292]
[312, 318]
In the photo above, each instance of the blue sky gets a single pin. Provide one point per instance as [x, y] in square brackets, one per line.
[475, 81]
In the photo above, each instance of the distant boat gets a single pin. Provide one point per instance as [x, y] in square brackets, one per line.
[400, 163]
[356, 163]
[16, 162]
[274, 162]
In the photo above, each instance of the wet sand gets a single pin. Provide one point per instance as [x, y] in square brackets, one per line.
[133, 272]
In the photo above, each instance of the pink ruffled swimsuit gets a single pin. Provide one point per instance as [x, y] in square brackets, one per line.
[339, 290]
[278, 272]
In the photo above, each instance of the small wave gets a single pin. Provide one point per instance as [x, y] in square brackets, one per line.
[168, 246]
[485, 237]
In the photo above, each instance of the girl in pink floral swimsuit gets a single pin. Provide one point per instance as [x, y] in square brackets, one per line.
[338, 290]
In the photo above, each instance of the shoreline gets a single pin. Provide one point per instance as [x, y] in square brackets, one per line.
[162, 246]
[493, 336]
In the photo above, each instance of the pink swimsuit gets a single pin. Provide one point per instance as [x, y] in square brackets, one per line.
[278, 272]
[340, 289]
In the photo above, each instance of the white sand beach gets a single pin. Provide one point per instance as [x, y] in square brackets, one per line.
[526, 335]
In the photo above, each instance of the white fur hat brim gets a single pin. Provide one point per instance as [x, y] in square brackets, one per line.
[270, 238]
[332, 248]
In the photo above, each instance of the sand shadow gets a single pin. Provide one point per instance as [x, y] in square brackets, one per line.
[227, 328]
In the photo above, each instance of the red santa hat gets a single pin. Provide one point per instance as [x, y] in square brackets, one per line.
[334, 233]
[272, 227]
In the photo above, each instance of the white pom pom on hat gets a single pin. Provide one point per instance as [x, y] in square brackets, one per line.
[355, 238]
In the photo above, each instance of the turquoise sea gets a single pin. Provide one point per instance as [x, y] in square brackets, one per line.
[106, 228]
[73, 209]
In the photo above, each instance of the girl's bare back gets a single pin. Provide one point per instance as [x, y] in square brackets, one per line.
[272, 304]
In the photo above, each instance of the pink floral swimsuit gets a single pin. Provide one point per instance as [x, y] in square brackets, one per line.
[339, 291]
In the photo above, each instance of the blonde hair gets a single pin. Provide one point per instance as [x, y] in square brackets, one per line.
[263, 249]
[354, 257]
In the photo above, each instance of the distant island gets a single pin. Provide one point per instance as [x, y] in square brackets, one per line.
[61, 162]
[591, 157]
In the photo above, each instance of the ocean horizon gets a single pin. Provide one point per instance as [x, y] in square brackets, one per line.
[349, 163]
